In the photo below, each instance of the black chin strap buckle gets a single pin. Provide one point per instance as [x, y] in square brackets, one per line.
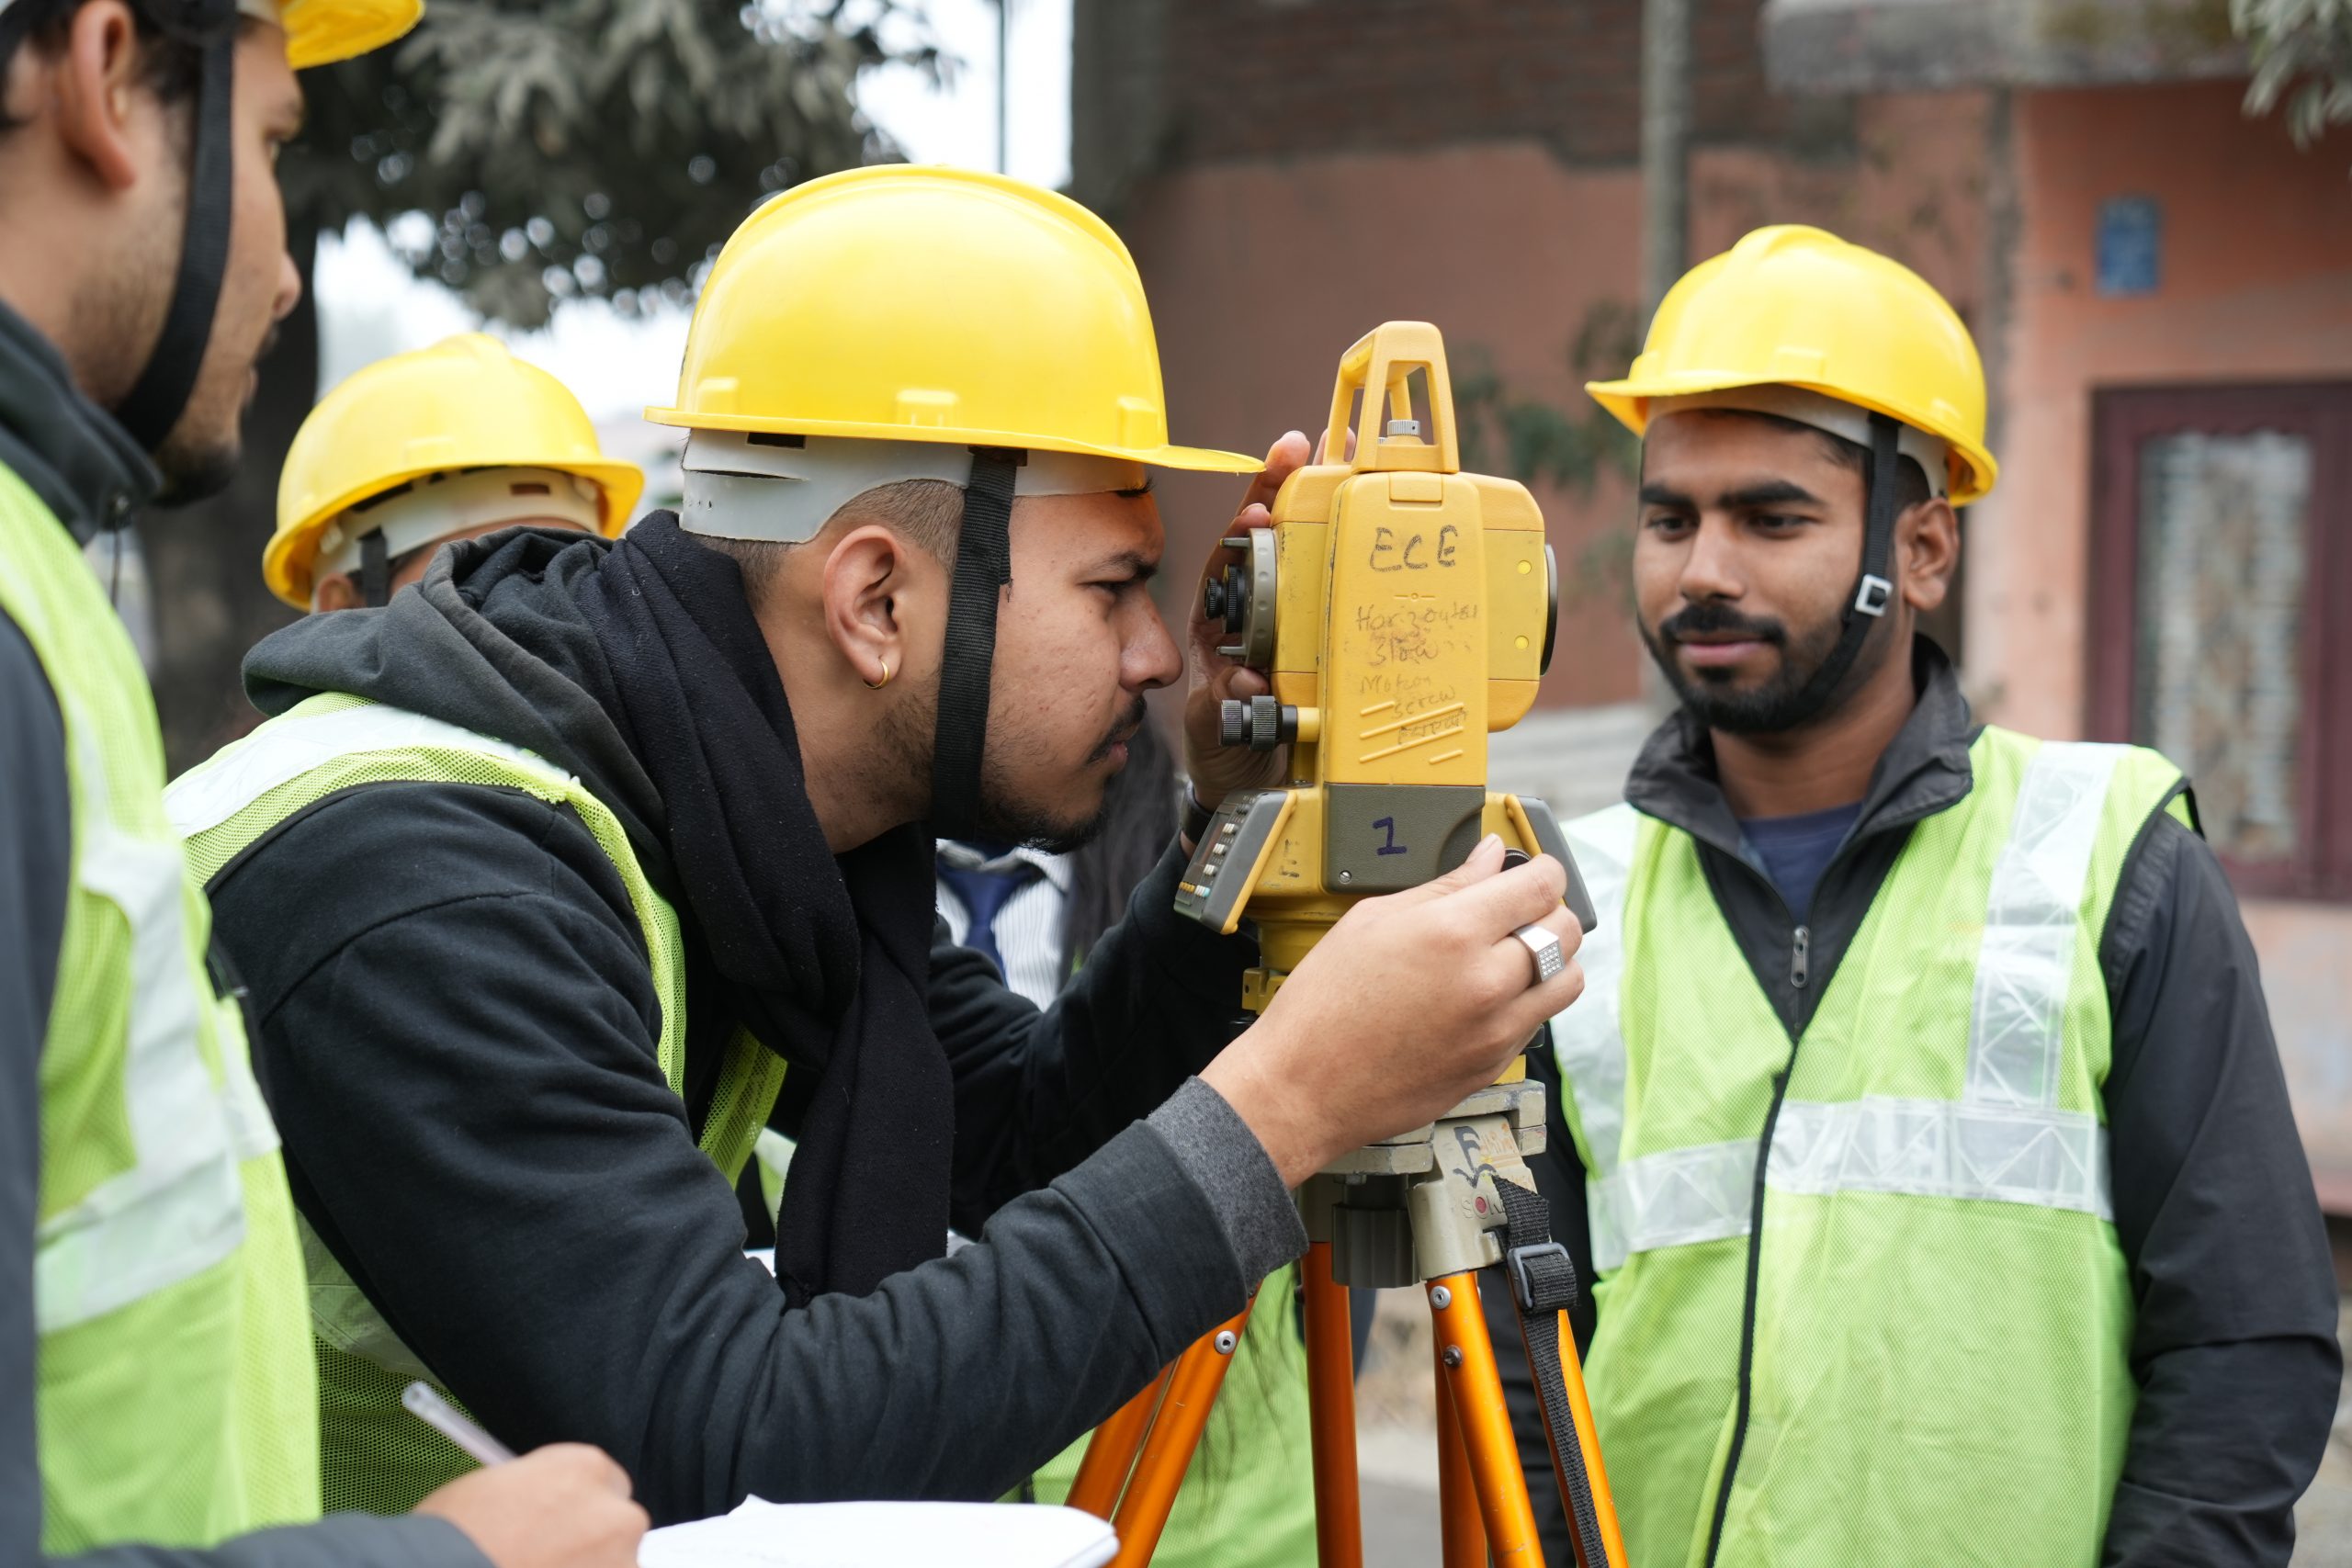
[1874, 596]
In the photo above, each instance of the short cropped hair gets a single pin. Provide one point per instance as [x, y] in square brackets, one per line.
[929, 513]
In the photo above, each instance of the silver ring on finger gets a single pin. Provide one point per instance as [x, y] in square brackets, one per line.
[1544, 948]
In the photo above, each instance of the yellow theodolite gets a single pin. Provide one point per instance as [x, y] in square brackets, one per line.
[1403, 611]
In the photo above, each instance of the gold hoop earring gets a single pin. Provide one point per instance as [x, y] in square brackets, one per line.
[877, 685]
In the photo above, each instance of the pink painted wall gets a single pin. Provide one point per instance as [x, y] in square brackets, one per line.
[2256, 285]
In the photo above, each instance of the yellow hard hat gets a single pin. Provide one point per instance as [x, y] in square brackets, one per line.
[320, 32]
[464, 403]
[1798, 306]
[935, 305]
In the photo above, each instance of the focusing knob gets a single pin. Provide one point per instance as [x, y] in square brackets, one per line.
[1262, 723]
[1232, 721]
[1225, 598]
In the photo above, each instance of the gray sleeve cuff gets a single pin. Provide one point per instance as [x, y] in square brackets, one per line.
[1223, 1158]
[344, 1541]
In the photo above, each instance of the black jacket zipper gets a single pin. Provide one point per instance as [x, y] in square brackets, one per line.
[1800, 975]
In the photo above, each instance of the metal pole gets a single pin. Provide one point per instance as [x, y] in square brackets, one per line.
[1666, 144]
[1003, 80]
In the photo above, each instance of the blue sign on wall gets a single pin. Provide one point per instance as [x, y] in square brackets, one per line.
[2130, 246]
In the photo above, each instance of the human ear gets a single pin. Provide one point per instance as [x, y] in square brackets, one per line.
[333, 591]
[864, 573]
[1927, 548]
[96, 90]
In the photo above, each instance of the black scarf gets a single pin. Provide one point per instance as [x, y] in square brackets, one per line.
[825, 959]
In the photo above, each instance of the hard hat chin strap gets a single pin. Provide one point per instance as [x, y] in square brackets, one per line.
[155, 404]
[983, 567]
[375, 571]
[1875, 590]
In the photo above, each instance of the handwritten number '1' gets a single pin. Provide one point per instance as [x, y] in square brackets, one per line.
[1388, 825]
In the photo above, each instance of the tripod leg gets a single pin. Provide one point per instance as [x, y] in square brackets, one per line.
[1102, 1473]
[1466, 1365]
[1611, 1545]
[1462, 1533]
[1331, 1411]
[1192, 1384]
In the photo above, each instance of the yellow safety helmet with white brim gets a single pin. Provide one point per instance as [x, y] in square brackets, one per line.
[901, 322]
[932, 305]
[1796, 323]
[465, 433]
[1791, 306]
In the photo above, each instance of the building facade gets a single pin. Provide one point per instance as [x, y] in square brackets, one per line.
[2162, 289]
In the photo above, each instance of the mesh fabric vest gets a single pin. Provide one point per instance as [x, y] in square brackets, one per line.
[378, 1457]
[173, 1400]
[1941, 1312]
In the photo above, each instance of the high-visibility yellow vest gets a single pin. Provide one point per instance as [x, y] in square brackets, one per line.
[1941, 1312]
[378, 1457]
[174, 1395]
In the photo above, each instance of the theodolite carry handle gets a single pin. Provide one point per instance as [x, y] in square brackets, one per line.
[1380, 365]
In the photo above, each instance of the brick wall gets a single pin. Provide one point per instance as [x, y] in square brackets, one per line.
[1212, 81]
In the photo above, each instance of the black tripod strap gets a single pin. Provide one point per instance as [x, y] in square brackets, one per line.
[1544, 1285]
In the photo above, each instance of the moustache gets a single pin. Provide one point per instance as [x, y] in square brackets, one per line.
[1711, 619]
[1125, 729]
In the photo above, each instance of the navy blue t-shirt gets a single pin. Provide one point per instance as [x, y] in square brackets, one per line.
[1795, 850]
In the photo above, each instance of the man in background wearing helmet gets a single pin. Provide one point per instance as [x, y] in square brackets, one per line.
[1944, 1195]
[157, 1402]
[548, 878]
[423, 449]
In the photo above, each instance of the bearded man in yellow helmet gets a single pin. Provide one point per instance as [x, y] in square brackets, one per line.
[1943, 1194]
[552, 880]
[157, 1396]
[424, 448]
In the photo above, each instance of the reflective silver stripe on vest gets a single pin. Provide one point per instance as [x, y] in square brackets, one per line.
[180, 1208]
[1586, 1040]
[1924, 1148]
[2003, 1141]
[1671, 1199]
[1942, 1148]
[285, 750]
[2026, 967]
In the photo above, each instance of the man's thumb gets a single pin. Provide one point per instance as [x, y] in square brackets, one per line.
[1483, 861]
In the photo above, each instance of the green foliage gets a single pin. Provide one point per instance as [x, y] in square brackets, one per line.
[1537, 442]
[562, 149]
[2302, 58]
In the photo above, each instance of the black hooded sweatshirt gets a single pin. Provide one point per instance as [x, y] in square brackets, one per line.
[457, 1028]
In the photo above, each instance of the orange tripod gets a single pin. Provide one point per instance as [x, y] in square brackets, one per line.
[1432, 1207]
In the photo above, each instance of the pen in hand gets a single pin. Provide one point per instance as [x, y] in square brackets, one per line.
[453, 1424]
